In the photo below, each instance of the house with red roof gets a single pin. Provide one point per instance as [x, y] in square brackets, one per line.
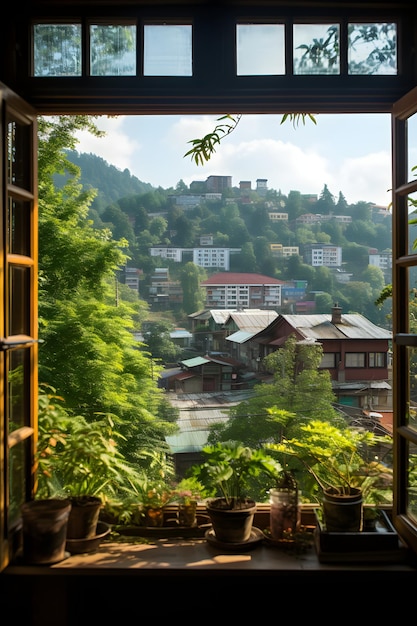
[241, 290]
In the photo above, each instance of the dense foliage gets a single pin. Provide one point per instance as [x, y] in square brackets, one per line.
[88, 353]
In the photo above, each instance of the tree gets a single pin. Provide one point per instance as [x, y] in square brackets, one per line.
[159, 344]
[299, 388]
[192, 295]
[325, 204]
[88, 353]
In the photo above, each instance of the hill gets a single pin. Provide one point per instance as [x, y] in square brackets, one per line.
[111, 183]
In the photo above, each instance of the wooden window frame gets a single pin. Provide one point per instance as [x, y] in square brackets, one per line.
[213, 89]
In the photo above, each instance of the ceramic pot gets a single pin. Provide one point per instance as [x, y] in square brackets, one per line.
[231, 525]
[45, 530]
[342, 512]
[83, 518]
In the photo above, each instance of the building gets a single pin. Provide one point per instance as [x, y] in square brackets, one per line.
[322, 254]
[239, 290]
[205, 256]
[356, 352]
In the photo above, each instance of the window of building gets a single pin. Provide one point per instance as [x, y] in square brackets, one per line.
[377, 359]
[355, 359]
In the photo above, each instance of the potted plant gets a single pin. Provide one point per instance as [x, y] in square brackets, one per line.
[225, 473]
[187, 493]
[344, 468]
[79, 462]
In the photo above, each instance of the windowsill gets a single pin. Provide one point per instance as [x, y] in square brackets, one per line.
[195, 556]
[169, 577]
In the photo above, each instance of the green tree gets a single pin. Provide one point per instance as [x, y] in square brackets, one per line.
[299, 388]
[192, 294]
[326, 203]
[88, 353]
[158, 342]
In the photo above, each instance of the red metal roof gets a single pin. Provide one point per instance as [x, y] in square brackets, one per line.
[238, 278]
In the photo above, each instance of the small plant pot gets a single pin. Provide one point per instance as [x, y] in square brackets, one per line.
[231, 525]
[45, 530]
[342, 512]
[83, 518]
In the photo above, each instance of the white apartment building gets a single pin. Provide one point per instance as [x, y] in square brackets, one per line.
[383, 260]
[229, 290]
[203, 256]
[213, 257]
[323, 254]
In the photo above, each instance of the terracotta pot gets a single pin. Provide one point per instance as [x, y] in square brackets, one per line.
[154, 516]
[342, 512]
[45, 530]
[231, 525]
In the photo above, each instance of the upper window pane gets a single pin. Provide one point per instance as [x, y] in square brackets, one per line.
[167, 50]
[316, 49]
[113, 50]
[57, 49]
[260, 49]
[372, 48]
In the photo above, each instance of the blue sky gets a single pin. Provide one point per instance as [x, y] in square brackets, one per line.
[348, 153]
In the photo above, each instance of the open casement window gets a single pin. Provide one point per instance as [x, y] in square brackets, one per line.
[404, 323]
[239, 57]
[18, 339]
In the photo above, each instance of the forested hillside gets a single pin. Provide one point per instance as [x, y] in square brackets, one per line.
[147, 217]
[110, 182]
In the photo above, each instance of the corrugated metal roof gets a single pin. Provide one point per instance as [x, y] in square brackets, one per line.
[197, 412]
[253, 319]
[180, 333]
[240, 336]
[221, 315]
[352, 326]
[197, 360]
[238, 278]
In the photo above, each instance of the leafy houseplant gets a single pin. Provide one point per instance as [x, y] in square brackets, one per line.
[337, 460]
[225, 474]
[80, 462]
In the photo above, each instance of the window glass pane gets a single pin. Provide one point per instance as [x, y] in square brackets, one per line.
[412, 228]
[19, 227]
[412, 371]
[372, 49]
[19, 301]
[167, 50]
[316, 49]
[412, 484]
[328, 360]
[17, 383]
[113, 50]
[412, 147]
[57, 49]
[17, 473]
[18, 144]
[355, 359]
[376, 359]
[260, 49]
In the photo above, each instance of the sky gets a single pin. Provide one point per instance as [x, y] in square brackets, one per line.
[349, 153]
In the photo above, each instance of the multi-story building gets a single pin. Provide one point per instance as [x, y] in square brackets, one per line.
[228, 290]
[278, 250]
[323, 254]
[205, 256]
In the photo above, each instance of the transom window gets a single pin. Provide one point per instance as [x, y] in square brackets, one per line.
[166, 49]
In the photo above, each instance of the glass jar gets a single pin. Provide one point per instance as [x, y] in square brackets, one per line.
[285, 511]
